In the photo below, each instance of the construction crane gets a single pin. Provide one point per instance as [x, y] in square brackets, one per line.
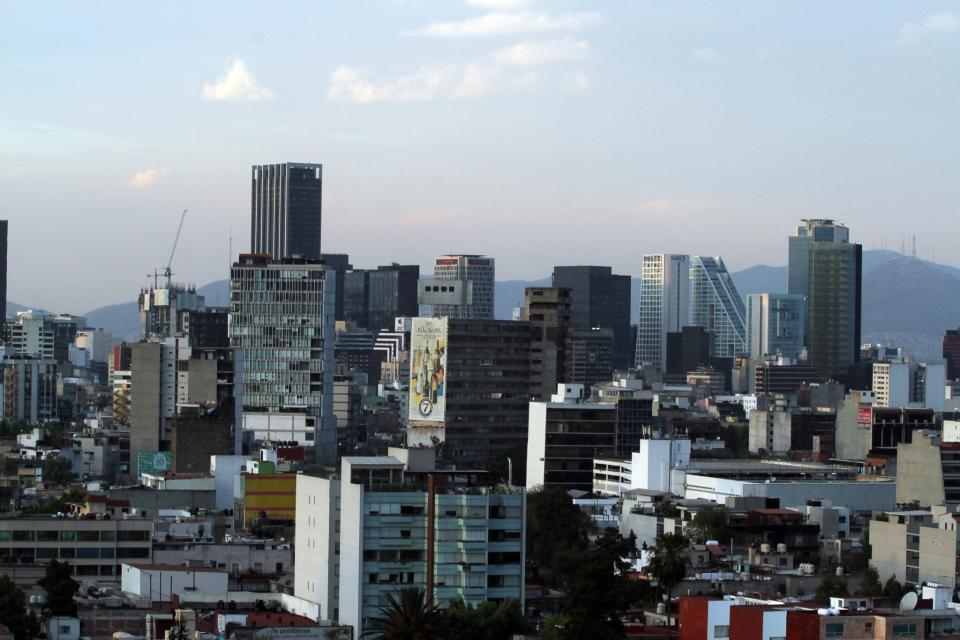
[167, 273]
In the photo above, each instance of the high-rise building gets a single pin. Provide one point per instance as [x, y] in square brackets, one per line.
[833, 307]
[29, 388]
[31, 334]
[813, 230]
[600, 299]
[470, 387]
[547, 309]
[282, 323]
[664, 305]
[716, 305]
[162, 309]
[373, 298]
[462, 287]
[285, 210]
[689, 349]
[340, 263]
[588, 357]
[3, 270]
[775, 323]
[951, 353]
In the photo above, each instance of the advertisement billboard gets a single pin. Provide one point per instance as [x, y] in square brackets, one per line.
[292, 633]
[154, 462]
[428, 367]
[864, 417]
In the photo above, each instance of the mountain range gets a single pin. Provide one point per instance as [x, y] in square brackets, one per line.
[907, 301]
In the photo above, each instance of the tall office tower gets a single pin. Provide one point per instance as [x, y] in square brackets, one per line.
[547, 309]
[664, 305]
[951, 353]
[775, 323]
[462, 287]
[716, 305]
[29, 388]
[813, 230]
[282, 324]
[588, 357]
[688, 350]
[285, 210]
[374, 298]
[162, 309]
[470, 388]
[833, 307]
[3, 271]
[600, 299]
[340, 263]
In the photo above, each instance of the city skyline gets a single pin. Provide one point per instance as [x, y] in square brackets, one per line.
[447, 133]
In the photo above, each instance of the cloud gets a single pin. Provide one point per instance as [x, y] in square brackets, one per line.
[350, 85]
[500, 5]
[478, 79]
[930, 25]
[236, 85]
[146, 178]
[581, 81]
[705, 55]
[505, 23]
[543, 52]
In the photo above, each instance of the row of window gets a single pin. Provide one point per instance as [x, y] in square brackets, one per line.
[73, 536]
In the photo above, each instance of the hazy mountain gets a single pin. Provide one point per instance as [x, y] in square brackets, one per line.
[894, 287]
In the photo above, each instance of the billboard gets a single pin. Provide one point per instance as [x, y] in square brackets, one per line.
[293, 633]
[154, 462]
[864, 417]
[428, 368]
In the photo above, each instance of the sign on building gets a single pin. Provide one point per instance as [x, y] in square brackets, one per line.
[864, 417]
[292, 633]
[428, 369]
[154, 462]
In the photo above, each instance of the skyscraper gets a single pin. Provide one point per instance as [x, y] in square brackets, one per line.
[282, 323]
[3, 270]
[285, 210]
[812, 230]
[600, 299]
[833, 307]
[373, 298]
[951, 353]
[716, 306]
[462, 287]
[775, 324]
[664, 304]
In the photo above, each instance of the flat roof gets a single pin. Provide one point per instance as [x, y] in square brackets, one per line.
[174, 567]
[372, 460]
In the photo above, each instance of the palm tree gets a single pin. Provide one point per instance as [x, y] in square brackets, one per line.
[669, 562]
[408, 615]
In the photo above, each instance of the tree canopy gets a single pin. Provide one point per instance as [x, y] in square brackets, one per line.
[13, 611]
[556, 534]
[710, 523]
[60, 587]
[669, 562]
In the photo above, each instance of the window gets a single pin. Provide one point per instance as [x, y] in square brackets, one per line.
[88, 536]
[904, 630]
[721, 631]
[834, 630]
[108, 536]
[88, 552]
[48, 536]
[23, 536]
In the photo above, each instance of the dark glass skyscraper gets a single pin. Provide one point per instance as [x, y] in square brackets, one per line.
[374, 297]
[600, 299]
[285, 210]
[3, 270]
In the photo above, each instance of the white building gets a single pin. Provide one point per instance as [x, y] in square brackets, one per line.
[462, 287]
[664, 305]
[158, 582]
[891, 384]
[97, 342]
[654, 463]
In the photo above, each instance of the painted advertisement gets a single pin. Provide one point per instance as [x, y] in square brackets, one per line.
[292, 633]
[864, 417]
[154, 462]
[428, 368]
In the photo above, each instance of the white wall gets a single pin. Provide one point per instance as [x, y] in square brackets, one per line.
[351, 554]
[774, 624]
[157, 584]
[653, 463]
[224, 469]
[536, 443]
[718, 613]
[316, 561]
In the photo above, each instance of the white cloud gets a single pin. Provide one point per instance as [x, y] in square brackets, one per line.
[500, 5]
[526, 81]
[533, 53]
[505, 23]
[581, 81]
[146, 178]
[350, 85]
[478, 79]
[705, 55]
[236, 85]
[930, 25]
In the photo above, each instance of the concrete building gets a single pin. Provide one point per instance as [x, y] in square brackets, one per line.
[812, 230]
[891, 384]
[783, 376]
[775, 325]
[94, 547]
[927, 472]
[687, 350]
[380, 525]
[282, 324]
[664, 305]
[588, 356]
[778, 431]
[716, 305]
[863, 429]
[565, 435]
[31, 334]
[462, 287]
[915, 546]
[833, 307]
[29, 388]
[163, 309]
[548, 310]
[153, 396]
[159, 583]
[600, 299]
[285, 210]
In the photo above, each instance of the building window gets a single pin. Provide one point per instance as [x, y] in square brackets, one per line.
[904, 630]
[721, 631]
[834, 630]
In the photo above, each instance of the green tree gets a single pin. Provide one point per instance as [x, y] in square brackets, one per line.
[57, 471]
[488, 621]
[408, 615]
[601, 590]
[831, 587]
[556, 534]
[555, 627]
[13, 611]
[710, 523]
[892, 588]
[870, 584]
[60, 587]
[669, 562]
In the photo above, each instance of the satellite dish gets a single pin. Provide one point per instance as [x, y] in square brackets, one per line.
[909, 601]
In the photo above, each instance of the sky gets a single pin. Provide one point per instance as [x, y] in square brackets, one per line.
[538, 132]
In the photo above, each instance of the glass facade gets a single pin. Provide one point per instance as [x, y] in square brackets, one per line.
[286, 204]
[599, 299]
[480, 271]
[716, 305]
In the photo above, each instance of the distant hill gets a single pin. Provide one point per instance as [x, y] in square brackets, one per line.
[895, 286]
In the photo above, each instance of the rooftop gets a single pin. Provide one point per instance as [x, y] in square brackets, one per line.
[175, 568]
